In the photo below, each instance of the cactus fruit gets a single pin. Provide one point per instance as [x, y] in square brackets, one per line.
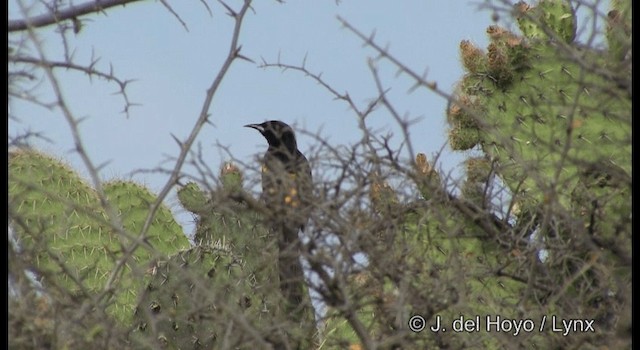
[427, 178]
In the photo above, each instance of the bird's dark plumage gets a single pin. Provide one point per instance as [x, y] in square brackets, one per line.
[286, 191]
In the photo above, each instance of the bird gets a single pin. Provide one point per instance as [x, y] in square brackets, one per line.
[286, 192]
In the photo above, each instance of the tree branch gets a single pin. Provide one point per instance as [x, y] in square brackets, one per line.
[69, 12]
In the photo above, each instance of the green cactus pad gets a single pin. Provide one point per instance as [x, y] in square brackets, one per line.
[77, 249]
[208, 297]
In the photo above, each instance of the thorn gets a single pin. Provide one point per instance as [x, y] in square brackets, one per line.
[372, 36]
[243, 57]
[230, 11]
[605, 136]
[176, 140]
[542, 75]
[581, 137]
[566, 71]
[236, 53]
[414, 87]
[538, 119]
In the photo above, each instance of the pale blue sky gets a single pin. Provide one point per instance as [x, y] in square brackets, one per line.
[173, 68]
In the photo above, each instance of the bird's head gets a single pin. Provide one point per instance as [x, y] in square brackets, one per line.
[278, 134]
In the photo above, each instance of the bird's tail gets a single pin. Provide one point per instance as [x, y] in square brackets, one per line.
[290, 270]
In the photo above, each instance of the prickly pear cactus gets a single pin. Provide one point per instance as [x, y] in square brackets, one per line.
[553, 121]
[555, 117]
[552, 113]
[207, 298]
[223, 293]
[165, 236]
[59, 218]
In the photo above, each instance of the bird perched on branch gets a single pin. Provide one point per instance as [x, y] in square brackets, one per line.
[286, 191]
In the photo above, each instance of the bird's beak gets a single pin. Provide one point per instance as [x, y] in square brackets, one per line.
[255, 126]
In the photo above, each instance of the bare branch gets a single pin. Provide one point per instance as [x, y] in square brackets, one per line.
[70, 12]
[186, 145]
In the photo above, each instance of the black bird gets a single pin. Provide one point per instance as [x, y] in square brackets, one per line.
[286, 191]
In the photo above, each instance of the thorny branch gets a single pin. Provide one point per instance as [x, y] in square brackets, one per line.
[233, 54]
[89, 69]
[70, 12]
